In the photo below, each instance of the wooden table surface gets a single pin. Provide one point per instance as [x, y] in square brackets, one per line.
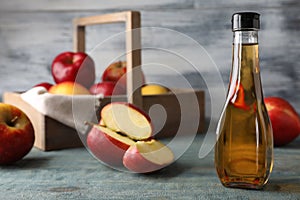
[75, 174]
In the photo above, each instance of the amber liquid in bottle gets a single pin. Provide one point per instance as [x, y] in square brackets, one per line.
[244, 149]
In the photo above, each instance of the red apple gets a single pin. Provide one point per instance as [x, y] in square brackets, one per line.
[127, 119]
[285, 120]
[107, 88]
[147, 156]
[16, 134]
[114, 71]
[107, 145]
[75, 67]
[46, 85]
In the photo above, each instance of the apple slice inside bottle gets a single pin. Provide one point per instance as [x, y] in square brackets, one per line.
[127, 119]
[107, 145]
[147, 156]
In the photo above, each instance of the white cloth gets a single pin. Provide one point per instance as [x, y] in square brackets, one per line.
[71, 110]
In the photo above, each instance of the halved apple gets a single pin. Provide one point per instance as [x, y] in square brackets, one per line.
[147, 156]
[107, 145]
[127, 119]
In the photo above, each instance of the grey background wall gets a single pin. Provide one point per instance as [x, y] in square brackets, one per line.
[33, 32]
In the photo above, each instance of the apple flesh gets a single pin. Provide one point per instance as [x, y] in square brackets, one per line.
[16, 134]
[69, 88]
[107, 88]
[123, 138]
[147, 156]
[285, 120]
[127, 119]
[75, 67]
[107, 145]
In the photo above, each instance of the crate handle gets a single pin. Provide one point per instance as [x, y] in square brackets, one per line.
[132, 21]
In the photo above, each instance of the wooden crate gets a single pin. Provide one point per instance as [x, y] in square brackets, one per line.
[52, 135]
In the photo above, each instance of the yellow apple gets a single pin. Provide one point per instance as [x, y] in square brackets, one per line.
[68, 88]
[154, 89]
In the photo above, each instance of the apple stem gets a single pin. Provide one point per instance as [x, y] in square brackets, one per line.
[14, 119]
[89, 123]
[92, 124]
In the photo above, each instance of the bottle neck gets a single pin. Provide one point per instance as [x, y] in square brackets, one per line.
[245, 50]
[245, 74]
[245, 37]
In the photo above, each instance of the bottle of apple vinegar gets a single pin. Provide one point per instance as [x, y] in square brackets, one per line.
[244, 149]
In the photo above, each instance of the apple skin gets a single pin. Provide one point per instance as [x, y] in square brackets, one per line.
[285, 120]
[75, 67]
[46, 85]
[136, 162]
[106, 148]
[154, 89]
[114, 71]
[69, 88]
[107, 88]
[16, 134]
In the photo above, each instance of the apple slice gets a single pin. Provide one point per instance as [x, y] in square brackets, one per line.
[127, 119]
[147, 156]
[107, 145]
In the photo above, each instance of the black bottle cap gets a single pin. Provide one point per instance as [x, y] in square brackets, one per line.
[245, 21]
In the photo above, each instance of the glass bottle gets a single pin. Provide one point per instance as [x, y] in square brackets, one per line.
[244, 148]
